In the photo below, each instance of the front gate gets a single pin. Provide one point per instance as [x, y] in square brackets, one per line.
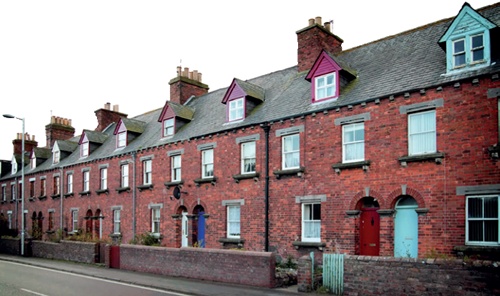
[333, 273]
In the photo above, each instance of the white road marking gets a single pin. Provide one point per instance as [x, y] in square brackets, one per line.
[32, 292]
[97, 279]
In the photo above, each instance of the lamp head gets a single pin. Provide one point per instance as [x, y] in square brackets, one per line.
[9, 116]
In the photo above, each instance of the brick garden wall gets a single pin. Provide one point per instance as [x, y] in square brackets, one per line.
[229, 266]
[66, 250]
[10, 246]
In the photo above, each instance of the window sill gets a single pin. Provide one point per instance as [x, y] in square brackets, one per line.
[436, 157]
[101, 191]
[146, 186]
[122, 189]
[55, 196]
[50, 232]
[115, 235]
[31, 199]
[12, 201]
[200, 181]
[483, 252]
[43, 197]
[299, 244]
[87, 193]
[174, 183]
[238, 178]
[239, 242]
[351, 165]
[66, 195]
[297, 171]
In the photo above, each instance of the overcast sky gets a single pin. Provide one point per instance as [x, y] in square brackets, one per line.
[69, 58]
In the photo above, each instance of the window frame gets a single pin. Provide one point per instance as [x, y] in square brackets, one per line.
[69, 183]
[246, 157]
[121, 139]
[86, 181]
[167, 127]
[147, 172]
[103, 178]
[116, 221]
[56, 156]
[51, 221]
[468, 219]
[233, 107]
[124, 175]
[303, 221]
[32, 188]
[176, 171]
[354, 142]
[12, 192]
[155, 220]
[57, 184]
[206, 163]
[84, 151]
[411, 135]
[230, 222]
[74, 220]
[326, 87]
[43, 187]
[284, 153]
[4, 192]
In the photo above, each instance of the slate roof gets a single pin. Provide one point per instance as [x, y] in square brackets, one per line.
[181, 111]
[409, 61]
[251, 90]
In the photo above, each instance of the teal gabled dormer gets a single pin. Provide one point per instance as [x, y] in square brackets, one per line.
[467, 41]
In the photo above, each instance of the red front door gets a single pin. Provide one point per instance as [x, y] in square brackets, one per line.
[369, 232]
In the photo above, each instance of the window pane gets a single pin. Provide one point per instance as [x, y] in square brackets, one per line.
[476, 231]
[478, 55]
[477, 41]
[459, 46]
[475, 207]
[491, 231]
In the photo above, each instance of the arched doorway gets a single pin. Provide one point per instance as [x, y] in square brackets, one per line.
[369, 228]
[406, 228]
[98, 224]
[88, 224]
[199, 227]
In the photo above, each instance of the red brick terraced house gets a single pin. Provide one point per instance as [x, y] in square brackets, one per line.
[386, 149]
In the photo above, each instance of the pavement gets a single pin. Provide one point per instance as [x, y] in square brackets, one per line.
[172, 284]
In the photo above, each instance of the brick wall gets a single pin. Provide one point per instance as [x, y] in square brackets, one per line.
[229, 266]
[66, 250]
[400, 276]
[10, 246]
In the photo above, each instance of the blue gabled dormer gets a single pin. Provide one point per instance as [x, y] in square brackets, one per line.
[467, 41]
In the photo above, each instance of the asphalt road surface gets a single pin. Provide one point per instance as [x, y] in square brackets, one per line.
[26, 280]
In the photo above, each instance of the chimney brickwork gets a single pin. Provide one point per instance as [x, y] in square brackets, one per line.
[29, 144]
[186, 85]
[106, 116]
[58, 129]
[312, 40]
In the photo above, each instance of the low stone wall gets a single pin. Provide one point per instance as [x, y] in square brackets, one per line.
[229, 266]
[66, 250]
[11, 246]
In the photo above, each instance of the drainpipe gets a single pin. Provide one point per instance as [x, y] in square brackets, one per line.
[133, 193]
[61, 196]
[266, 129]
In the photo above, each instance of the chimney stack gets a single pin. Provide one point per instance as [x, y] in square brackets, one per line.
[312, 40]
[58, 129]
[29, 144]
[186, 85]
[106, 116]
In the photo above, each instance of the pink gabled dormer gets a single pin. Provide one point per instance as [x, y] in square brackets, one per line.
[327, 76]
[173, 117]
[89, 141]
[240, 99]
[127, 130]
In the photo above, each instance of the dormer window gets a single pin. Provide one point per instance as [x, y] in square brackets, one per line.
[236, 109]
[33, 162]
[326, 86]
[56, 156]
[121, 139]
[467, 41]
[84, 149]
[14, 166]
[240, 99]
[168, 127]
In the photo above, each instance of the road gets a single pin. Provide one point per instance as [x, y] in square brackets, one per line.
[26, 280]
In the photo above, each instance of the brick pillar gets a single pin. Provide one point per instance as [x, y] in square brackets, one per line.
[386, 232]
[304, 274]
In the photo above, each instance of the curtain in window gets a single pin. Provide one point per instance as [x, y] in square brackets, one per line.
[291, 147]
[354, 145]
[422, 130]
[234, 220]
[248, 151]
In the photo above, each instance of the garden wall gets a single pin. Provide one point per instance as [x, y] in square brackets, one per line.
[67, 250]
[229, 266]
[11, 246]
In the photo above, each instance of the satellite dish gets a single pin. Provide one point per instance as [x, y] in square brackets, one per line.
[177, 192]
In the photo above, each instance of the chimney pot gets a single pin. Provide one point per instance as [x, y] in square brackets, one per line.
[318, 20]
[115, 108]
[179, 71]
[195, 75]
[327, 26]
[33, 138]
[107, 106]
[186, 72]
[311, 22]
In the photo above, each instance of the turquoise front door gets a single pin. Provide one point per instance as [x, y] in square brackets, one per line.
[406, 228]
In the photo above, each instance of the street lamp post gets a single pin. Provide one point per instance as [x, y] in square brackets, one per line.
[22, 183]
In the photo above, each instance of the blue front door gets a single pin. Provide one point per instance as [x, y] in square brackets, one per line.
[406, 229]
[201, 230]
